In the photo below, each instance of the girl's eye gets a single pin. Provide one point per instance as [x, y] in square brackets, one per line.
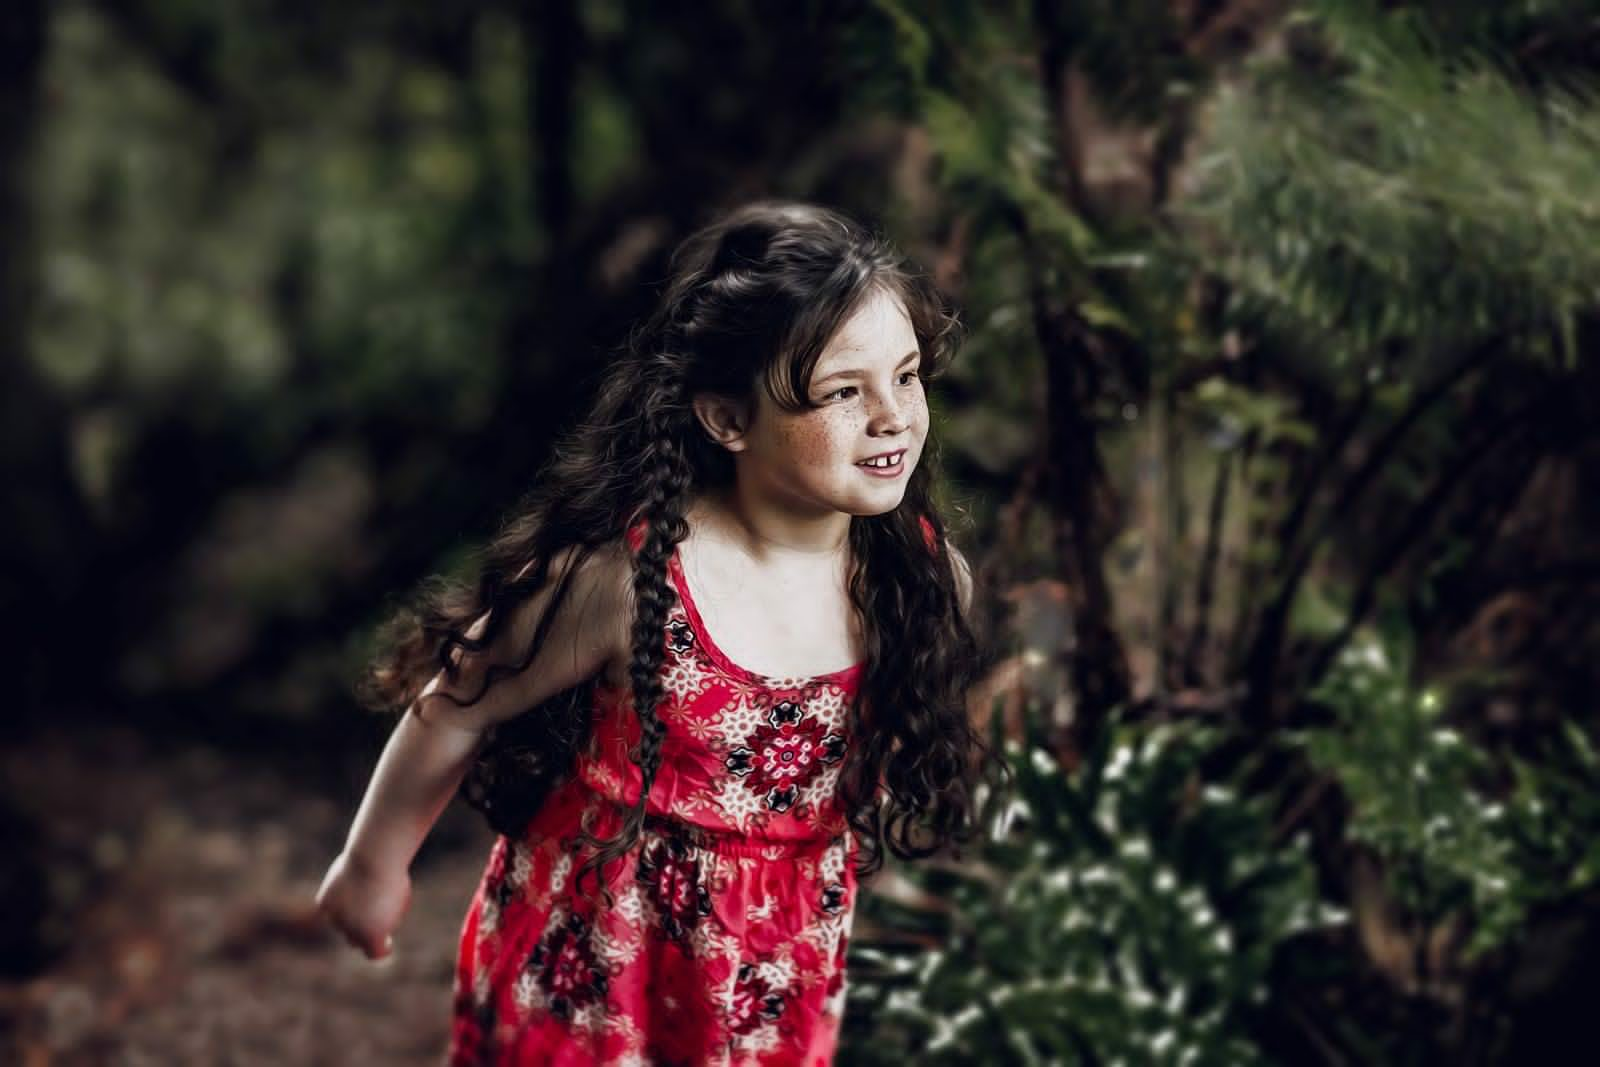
[845, 392]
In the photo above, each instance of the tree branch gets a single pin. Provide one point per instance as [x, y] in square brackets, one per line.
[1262, 662]
[1500, 433]
[1205, 579]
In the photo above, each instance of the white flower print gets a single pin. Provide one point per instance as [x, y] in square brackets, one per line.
[631, 905]
[521, 866]
[830, 865]
[526, 991]
[615, 948]
[488, 917]
[708, 942]
[560, 871]
[705, 731]
[761, 911]
[763, 1039]
[827, 703]
[823, 786]
[738, 721]
[778, 972]
[683, 680]
[739, 805]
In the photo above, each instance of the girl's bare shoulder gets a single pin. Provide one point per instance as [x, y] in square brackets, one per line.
[602, 597]
[601, 592]
[599, 581]
[588, 599]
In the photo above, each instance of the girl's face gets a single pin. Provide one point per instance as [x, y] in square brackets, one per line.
[855, 452]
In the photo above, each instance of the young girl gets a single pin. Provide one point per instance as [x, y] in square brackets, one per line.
[733, 614]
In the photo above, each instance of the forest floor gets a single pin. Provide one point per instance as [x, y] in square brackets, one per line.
[180, 882]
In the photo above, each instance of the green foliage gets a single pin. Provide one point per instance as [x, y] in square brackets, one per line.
[1129, 914]
[1412, 783]
[1555, 816]
[1400, 193]
[1421, 797]
[957, 69]
[1132, 54]
[283, 271]
[1239, 410]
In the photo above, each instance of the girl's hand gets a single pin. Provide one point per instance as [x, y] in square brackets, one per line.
[365, 903]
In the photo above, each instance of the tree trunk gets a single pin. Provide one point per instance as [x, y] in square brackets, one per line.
[48, 536]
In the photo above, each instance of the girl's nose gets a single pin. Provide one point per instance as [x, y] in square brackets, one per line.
[888, 418]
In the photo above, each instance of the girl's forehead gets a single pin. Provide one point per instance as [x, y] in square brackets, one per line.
[879, 329]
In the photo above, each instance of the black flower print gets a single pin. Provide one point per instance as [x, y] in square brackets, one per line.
[506, 888]
[670, 872]
[496, 881]
[564, 965]
[784, 713]
[833, 898]
[660, 1059]
[785, 754]
[740, 761]
[680, 636]
[755, 1001]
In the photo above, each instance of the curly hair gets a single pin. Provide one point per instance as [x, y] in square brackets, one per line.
[751, 302]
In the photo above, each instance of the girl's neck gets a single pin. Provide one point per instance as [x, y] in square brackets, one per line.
[764, 531]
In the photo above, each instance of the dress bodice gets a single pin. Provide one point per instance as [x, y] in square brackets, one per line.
[743, 753]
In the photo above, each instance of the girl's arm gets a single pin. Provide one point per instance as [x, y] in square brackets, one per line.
[368, 888]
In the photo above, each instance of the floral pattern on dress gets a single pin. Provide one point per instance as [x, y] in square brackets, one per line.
[669, 870]
[785, 754]
[723, 941]
[756, 1002]
[564, 965]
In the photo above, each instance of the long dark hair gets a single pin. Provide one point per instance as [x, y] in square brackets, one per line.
[751, 301]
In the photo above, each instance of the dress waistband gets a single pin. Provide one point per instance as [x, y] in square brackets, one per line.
[711, 839]
[700, 837]
[732, 843]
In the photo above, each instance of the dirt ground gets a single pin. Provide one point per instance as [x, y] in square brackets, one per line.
[182, 913]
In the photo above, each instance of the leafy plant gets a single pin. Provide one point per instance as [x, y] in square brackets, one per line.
[1128, 912]
[1349, 196]
[1422, 798]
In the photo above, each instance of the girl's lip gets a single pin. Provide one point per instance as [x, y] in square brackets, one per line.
[892, 471]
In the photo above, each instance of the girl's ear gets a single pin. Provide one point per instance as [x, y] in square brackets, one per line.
[725, 420]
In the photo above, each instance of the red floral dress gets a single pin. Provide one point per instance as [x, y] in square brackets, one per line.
[725, 942]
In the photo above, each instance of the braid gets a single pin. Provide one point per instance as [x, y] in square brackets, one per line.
[668, 480]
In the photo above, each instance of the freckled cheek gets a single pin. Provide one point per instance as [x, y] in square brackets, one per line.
[820, 440]
[917, 415]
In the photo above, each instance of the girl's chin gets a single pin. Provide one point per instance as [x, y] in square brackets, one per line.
[878, 503]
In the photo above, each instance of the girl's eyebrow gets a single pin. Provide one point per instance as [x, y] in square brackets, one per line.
[855, 372]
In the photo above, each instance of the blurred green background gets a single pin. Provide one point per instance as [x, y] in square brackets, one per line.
[1274, 442]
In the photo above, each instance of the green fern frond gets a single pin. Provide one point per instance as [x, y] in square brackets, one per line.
[1406, 197]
